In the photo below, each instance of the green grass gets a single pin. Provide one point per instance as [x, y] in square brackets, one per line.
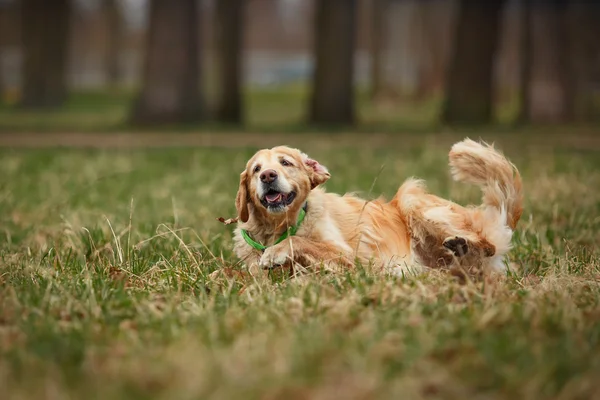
[105, 289]
[267, 110]
[277, 109]
[84, 111]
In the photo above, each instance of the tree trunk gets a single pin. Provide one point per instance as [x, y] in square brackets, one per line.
[170, 92]
[378, 31]
[332, 100]
[423, 31]
[469, 92]
[229, 29]
[434, 21]
[551, 98]
[525, 48]
[114, 28]
[45, 52]
[585, 15]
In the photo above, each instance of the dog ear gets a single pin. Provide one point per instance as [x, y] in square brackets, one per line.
[318, 173]
[241, 199]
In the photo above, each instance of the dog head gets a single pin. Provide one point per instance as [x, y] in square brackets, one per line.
[277, 180]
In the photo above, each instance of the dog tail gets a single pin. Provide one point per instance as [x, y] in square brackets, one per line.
[499, 179]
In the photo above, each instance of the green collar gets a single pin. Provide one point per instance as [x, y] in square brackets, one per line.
[291, 231]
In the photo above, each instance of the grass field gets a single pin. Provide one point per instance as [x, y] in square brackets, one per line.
[105, 293]
[278, 109]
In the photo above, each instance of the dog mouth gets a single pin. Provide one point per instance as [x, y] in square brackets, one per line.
[276, 199]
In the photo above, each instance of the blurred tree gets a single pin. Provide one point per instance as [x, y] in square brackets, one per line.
[4, 32]
[229, 29]
[170, 91]
[525, 48]
[469, 90]
[114, 26]
[585, 27]
[45, 40]
[433, 23]
[550, 95]
[332, 99]
[378, 25]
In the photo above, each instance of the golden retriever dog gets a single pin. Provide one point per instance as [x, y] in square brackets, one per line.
[286, 219]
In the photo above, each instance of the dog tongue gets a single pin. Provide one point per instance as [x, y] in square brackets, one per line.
[271, 198]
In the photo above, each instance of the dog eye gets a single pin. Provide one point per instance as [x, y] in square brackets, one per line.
[286, 163]
[257, 168]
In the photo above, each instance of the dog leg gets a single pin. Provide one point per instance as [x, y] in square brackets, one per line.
[305, 253]
[457, 245]
[442, 234]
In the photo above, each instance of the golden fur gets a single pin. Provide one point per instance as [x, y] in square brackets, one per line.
[413, 230]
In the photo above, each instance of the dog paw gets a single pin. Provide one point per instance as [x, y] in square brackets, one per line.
[457, 245]
[275, 256]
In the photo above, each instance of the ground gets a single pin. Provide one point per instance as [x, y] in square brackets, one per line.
[105, 287]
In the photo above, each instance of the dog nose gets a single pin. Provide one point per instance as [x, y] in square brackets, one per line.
[268, 176]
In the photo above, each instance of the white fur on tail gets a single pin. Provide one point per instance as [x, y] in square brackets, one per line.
[482, 165]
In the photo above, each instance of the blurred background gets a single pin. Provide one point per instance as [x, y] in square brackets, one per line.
[397, 65]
